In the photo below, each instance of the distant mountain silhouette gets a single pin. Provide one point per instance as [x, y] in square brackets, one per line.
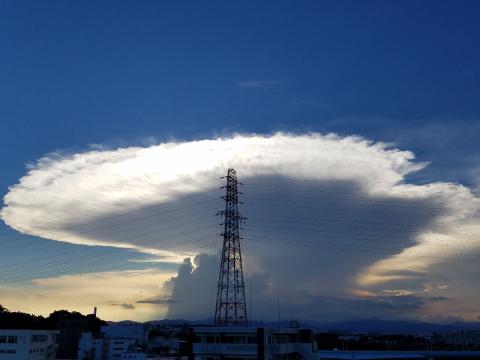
[394, 326]
[370, 325]
[19, 320]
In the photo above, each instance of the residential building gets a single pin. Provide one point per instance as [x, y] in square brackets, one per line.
[212, 343]
[464, 338]
[90, 347]
[113, 342]
[126, 331]
[115, 347]
[28, 344]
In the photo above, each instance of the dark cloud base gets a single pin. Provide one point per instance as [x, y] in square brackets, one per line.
[308, 241]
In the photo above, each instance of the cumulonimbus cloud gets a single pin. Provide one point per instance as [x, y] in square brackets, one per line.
[112, 197]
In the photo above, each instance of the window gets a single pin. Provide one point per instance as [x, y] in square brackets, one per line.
[210, 339]
[11, 351]
[12, 339]
[239, 339]
[229, 340]
[3, 339]
[39, 338]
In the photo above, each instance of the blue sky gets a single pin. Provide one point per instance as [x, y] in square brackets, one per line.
[177, 69]
[126, 73]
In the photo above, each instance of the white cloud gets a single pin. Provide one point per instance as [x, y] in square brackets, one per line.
[399, 292]
[130, 197]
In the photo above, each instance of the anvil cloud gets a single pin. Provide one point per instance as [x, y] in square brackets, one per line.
[334, 189]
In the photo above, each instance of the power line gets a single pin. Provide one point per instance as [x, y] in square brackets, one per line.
[154, 232]
[88, 248]
[196, 204]
[67, 269]
[164, 212]
[125, 214]
[379, 202]
[347, 221]
[349, 234]
[372, 250]
[360, 228]
[346, 235]
[293, 205]
[107, 251]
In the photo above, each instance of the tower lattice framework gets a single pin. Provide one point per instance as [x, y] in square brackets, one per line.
[231, 307]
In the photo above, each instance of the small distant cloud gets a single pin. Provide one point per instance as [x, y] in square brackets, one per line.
[428, 288]
[257, 83]
[399, 292]
[125, 306]
[362, 293]
[158, 301]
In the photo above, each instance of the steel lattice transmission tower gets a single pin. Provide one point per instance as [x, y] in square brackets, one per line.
[231, 308]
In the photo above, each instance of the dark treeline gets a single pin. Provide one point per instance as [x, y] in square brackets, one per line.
[20, 320]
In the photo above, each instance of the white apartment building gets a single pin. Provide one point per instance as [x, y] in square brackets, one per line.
[28, 344]
[212, 343]
[116, 347]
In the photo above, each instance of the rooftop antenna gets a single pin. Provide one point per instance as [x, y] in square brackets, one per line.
[231, 307]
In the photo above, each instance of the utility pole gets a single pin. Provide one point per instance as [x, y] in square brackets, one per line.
[231, 307]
